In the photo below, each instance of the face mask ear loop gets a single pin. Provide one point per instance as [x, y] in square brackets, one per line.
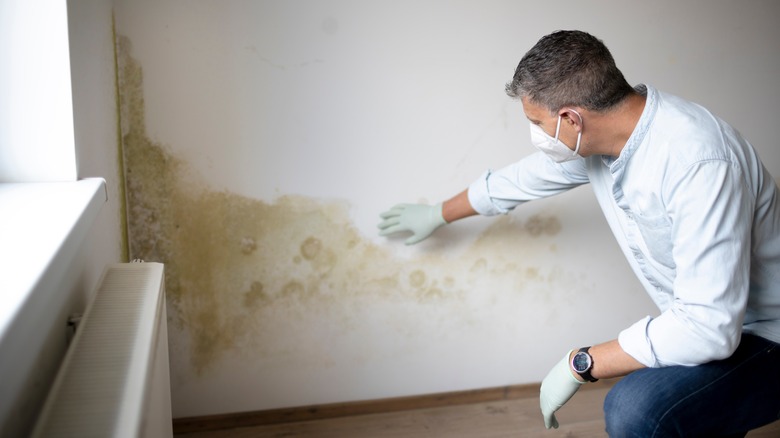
[577, 148]
[558, 129]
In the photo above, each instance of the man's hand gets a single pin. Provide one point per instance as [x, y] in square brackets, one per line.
[557, 388]
[421, 220]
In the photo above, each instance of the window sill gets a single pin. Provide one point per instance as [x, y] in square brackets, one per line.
[41, 223]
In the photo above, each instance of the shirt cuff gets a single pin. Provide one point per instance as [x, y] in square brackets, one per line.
[479, 197]
[636, 343]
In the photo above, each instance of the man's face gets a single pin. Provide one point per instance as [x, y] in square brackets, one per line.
[539, 115]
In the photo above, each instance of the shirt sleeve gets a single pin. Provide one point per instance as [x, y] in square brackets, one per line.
[710, 212]
[533, 177]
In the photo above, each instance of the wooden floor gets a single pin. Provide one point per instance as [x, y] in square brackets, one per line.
[581, 417]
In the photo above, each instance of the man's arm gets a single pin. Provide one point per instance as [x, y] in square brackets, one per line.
[457, 207]
[533, 177]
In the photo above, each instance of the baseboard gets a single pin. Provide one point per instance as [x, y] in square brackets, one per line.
[336, 410]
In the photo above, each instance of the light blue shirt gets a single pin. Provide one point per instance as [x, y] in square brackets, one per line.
[697, 216]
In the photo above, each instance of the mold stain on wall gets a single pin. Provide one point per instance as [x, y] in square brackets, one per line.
[254, 279]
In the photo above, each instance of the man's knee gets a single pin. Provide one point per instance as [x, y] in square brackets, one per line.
[630, 410]
[618, 414]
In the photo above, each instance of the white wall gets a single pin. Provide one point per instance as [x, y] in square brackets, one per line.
[283, 128]
[35, 87]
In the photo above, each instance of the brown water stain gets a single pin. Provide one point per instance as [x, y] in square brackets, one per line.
[255, 295]
[538, 225]
[310, 248]
[248, 245]
[417, 278]
[241, 273]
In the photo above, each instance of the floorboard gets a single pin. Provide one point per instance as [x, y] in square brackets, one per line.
[581, 418]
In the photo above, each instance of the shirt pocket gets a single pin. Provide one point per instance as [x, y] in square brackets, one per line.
[656, 231]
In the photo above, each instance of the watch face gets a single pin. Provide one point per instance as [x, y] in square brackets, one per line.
[581, 362]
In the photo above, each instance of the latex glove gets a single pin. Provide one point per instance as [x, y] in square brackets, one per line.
[557, 388]
[420, 219]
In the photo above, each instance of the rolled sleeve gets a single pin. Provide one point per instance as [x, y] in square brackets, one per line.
[534, 177]
[635, 342]
[672, 339]
[479, 196]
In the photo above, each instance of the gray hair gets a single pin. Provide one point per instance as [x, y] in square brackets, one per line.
[569, 68]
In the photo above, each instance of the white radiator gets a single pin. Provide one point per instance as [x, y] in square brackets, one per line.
[114, 380]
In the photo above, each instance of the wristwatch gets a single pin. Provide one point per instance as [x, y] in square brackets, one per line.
[582, 364]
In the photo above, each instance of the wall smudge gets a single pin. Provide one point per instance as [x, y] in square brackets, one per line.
[242, 273]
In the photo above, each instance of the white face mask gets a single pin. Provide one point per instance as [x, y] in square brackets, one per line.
[554, 147]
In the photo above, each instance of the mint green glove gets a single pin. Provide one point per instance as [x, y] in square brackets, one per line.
[421, 220]
[557, 388]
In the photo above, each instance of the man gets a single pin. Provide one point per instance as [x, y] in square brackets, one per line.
[695, 212]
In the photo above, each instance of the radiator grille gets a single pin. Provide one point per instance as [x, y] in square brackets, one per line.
[101, 387]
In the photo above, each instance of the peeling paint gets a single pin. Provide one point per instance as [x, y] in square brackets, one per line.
[241, 271]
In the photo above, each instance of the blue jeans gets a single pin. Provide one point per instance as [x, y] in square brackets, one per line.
[719, 399]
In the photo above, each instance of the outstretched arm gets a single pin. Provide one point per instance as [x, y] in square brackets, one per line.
[493, 193]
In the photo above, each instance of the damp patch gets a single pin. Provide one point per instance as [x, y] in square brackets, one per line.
[242, 274]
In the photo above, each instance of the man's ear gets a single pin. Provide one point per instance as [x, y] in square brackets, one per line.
[572, 117]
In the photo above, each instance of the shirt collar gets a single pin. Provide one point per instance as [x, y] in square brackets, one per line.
[637, 137]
